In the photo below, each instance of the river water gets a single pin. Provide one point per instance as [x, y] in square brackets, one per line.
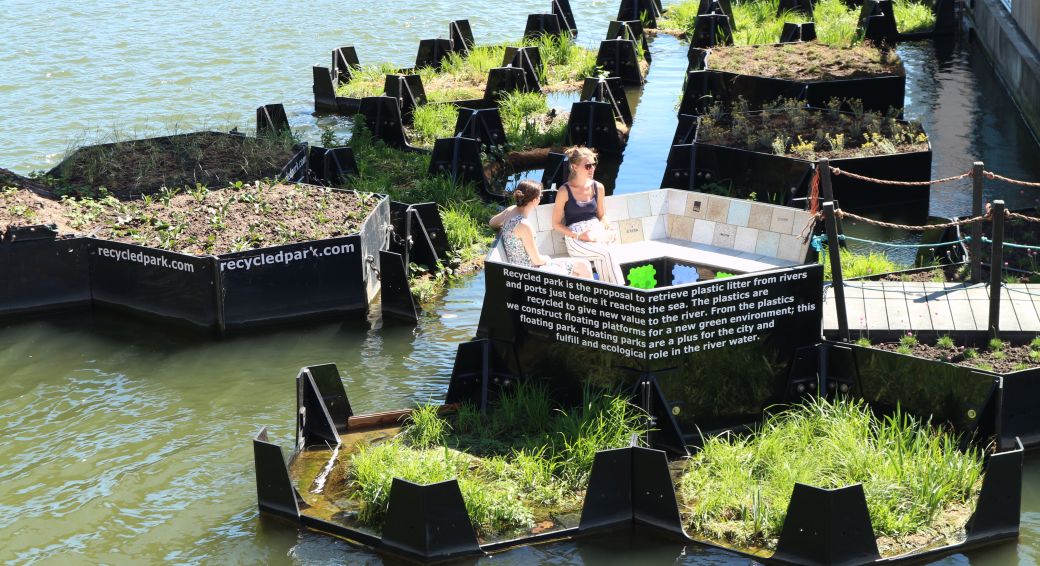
[124, 443]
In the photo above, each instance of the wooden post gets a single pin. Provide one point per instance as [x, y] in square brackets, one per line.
[825, 180]
[996, 268]
[834, 252]
[975, 250]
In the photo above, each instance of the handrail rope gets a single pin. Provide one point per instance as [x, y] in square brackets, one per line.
[819, 240]
[836, 171]
[1020, 216]
[910, 228]
[992, 175]
[986, 240]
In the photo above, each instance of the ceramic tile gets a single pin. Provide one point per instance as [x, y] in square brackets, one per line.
[681, 228]
[767, 243]
[801, 220]
[718, 210]
[761, 217]
[655, 227]
[631, 230]
[638, 205]
[696, 205]
[747, 239]
[676, 201]
[658, 201]
[725, 236]
[739, 213]
[790, 248]
[783, 221]
[544, 214]
[616, 209]
[703, 231]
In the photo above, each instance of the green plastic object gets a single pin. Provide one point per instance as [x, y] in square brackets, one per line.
[722, 274]
[642, 277]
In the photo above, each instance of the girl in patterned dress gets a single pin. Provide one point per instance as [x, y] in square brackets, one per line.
[518, 235]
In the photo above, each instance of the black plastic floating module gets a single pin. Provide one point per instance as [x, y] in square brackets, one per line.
[610, 90]
[529, 59]
[646, 11]
[544, 24]
[716, 7]
[555, 174]
[330, 166]
[408, 91]
[461, 35]
[459, 158]
[632, 31]
[344, 62]
[592, 124]
[563, 9]
[507, 79]
[481, 124]
[795, 32]
[620, 58]
[382, 116]
[432, 52]
[804, 7]
[711, 30]
[271, 120]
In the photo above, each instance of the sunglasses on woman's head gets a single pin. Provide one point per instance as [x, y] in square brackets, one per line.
[590, 166]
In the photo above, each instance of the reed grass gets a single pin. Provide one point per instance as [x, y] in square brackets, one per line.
[855, 264]
[737, 489]
[523, 455]
[757, 21]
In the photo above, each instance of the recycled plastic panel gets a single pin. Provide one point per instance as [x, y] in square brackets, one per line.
[428, 521]
[703, 87]
[619, 58]
[296, 280]
[344, 61]
[592, 124]
[274, 489]
[1020, 413]
[827, 526]
[154, 282]
[40, 272]
[947, 392]
[712, 367]
[774, 178]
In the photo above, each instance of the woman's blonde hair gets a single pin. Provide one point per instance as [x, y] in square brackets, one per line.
[579, 154]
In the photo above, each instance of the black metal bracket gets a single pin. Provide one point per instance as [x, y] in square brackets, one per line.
[329, 166]
[555, 173]
[505, 79]
[827, 526]
[711, 30]
[275, 493]
[382, 116]
[432, 52]
[428, 521]
[544, 24]
[631, 30]
[461, 35]
[530, 60]
[877, 20]
[408, 91]
[646, 11]
[562, 8]
[314, 423]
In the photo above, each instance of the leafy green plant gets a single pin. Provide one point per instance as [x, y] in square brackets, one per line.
[971, 353]
[858, 265]
[945, 342]
[864, 342]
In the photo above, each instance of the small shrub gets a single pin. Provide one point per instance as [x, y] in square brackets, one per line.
[864, 342]
[970, 353]
[908, 340]
[996, 345]
[945, 342]
[1034, 344]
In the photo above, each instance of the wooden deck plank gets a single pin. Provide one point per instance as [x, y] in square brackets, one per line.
[1028, 320]
[917, 309]
[939, 308]
[898, 314]
[877, 318]
[1008, 321]
[980, 310]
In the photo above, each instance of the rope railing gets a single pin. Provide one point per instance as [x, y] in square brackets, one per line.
[992, 175]
[836, 171]
[911, 227]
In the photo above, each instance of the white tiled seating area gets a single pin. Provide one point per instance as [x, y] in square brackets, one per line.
[725, 233]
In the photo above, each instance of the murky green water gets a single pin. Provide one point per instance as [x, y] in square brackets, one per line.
[123, 443]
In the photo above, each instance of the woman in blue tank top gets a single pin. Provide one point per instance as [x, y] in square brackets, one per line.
[578, 215]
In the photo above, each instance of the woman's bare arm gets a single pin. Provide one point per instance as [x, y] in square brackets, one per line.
[499, 219]
[523, 231]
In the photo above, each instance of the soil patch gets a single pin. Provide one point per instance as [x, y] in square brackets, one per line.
[199, 221]
[135, 167]
[806, 61]
[1002, 358]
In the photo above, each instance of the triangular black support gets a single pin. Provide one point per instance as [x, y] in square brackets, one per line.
[333, 394]
[331, 166]
[712, 30]
[646, 11]
[795, 32]
[556, 172]
[608, 498]
[271, 120]
[422, 251]
[804, 7]
[877, 20]
[432, 52]
[396, 299]
[483, 125]
[409, 92]
[344, 62]
[665, 433]
[461, 35]
[505, 79]
[681, 168]
[324, 90]
[430, 215]
[562, 8]
[314, 424]
[632, 31]
[275, 493]
[716, 7]
[653, 493]
[827, 527]
[530, 60]
[619, 58]
[543, 24]
[610, 90]
[592, 124]
[460, 159]
[999, 507]
[481, 367]
[428, 522]
[382, 116]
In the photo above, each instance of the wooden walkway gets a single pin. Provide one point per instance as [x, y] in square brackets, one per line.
[913, 307]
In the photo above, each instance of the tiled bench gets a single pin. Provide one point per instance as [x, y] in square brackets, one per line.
[720, 232]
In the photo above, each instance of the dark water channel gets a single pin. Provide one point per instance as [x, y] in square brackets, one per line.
[123, 443]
